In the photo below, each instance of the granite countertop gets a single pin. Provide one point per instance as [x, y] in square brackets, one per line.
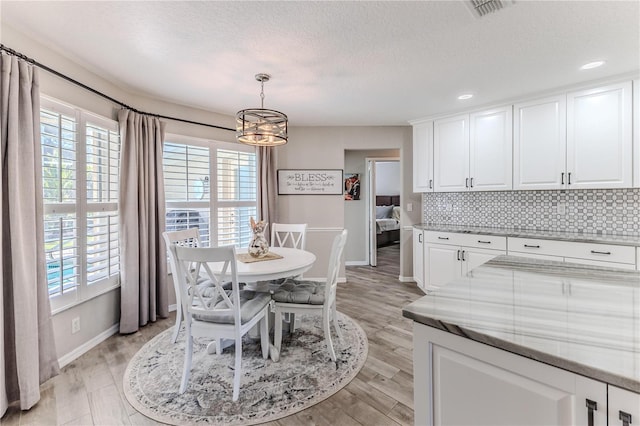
[528, 233]
[584, 319]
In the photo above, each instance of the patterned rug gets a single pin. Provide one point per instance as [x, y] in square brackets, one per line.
[269, 390]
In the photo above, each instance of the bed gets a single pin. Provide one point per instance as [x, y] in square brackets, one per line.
[387, 220]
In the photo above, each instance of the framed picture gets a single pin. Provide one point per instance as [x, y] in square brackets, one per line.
[351, 186]
[310, 182]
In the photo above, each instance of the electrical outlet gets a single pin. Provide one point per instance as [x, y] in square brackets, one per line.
[75, 325]
[409, 207]
[562, 208]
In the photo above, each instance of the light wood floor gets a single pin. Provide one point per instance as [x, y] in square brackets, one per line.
[89, 390]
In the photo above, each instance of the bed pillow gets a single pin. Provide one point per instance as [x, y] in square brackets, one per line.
[383, 212]
[396, 213]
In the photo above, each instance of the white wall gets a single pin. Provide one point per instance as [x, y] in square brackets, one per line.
[324, 148]
[388, 178]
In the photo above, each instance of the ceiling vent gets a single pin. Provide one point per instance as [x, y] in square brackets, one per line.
[480, 8]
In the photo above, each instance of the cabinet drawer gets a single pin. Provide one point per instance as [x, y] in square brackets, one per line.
[569, 249]
[484, 241]
[601, 252]
[444, 238]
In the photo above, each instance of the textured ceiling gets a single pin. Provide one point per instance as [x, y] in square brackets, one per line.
[336, 63]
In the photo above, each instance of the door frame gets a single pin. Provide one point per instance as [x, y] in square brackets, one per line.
[371, 203]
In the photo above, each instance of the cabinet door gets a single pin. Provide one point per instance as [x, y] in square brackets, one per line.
[490, 150]
[423, 157]
[451, 154]
[442, 264]
[622, 404]
[599, 143]
[418, 257]
[472, 258]
[539, 144]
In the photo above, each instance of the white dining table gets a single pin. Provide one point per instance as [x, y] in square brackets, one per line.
[256, 276]
[294, 262]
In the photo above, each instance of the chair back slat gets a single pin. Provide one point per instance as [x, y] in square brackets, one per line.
[213, 298]
[187, 238]
[292, 235]
[334, 268]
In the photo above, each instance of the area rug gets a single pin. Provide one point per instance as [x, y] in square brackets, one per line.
[304, 376]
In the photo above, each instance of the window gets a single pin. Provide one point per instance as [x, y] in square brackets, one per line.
[212, 186]
[80, 168]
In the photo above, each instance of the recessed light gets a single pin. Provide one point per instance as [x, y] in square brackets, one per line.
[465, 96]
[592, 65]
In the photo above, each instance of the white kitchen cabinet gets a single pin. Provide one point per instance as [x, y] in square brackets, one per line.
[462, 382]
[473, 152]
[448, 256]
[451, 154]
[418, 257]
[490, 150]
[599, 139]
[582, 140]
[539, 143]
[624, 407]
[423, 157]
[611, 255]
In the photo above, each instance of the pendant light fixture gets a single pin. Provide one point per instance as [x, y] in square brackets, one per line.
[260, 126]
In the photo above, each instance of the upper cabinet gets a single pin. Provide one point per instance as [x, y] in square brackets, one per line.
[581, 140]
[586, 139]
[423, 157]
[539, 143]
[451, 154]
[599, 142]
[472, 152]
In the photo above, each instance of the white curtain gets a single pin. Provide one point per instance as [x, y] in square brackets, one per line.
[143, 267]
[267, 185]
[29, 356]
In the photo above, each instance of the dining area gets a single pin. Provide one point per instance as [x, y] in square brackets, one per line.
[245, 315]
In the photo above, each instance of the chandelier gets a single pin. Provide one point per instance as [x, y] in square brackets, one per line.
[260, 126]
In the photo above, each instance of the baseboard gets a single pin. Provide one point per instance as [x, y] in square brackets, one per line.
[405, 279]
[356, 263]
[173, 307]
[87, 346]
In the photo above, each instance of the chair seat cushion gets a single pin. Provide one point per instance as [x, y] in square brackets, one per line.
[251, 303]
[300, 291]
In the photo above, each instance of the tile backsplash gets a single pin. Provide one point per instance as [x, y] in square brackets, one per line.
[610, 211]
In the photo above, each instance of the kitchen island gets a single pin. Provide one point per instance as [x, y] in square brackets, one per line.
[528, 341]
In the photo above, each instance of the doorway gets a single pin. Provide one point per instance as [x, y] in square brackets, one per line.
[383, 218]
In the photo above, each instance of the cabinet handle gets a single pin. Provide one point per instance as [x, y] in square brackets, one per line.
[458, 254]
[466, 182]
[443, 238]
[420, 238]
[430, 183]
[463, 259]
[562, 178]
[625, 417]
[569, 178]
[471, 181]
[600, 252]
[484, 242]
[591, 407]
[530, 246]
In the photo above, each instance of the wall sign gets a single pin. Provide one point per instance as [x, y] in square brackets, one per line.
[310, 182]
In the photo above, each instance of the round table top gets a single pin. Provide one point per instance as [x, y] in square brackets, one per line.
[294, 262]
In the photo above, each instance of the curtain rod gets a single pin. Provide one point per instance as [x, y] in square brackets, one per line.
[96, 92]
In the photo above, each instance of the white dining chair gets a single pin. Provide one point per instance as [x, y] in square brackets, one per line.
[304, 297]
[188, 238]
[221, 314]
[292, 235]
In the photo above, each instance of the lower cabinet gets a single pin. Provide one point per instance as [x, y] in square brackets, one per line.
[461, 382]
[418, 257]
[448, 256]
